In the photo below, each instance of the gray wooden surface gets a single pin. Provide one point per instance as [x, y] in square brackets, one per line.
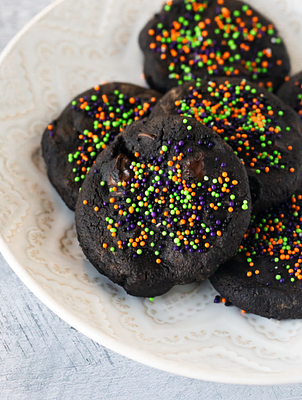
[43, 358]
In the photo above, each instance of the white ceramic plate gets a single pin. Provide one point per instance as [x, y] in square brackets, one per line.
[68, 48]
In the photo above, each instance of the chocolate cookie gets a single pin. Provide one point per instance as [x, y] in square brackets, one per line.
[264, 132]
[291, 92]
[189, 40]
[167, 202]
[71, 143]
[264, 278]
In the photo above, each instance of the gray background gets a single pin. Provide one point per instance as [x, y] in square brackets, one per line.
[41, 357]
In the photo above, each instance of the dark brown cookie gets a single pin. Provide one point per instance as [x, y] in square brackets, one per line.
[71, 143]
[189, 40]
[265, 277]
[167, 203]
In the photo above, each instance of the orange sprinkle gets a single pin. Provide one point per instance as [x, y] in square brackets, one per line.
[96, 208]
[105, 245]
[158, 261]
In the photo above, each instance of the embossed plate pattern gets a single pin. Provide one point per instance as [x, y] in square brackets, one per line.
[70, 47]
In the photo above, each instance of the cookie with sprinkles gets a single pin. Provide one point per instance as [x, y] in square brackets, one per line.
[71, 143]
[189, 40]
[291, 92]
[265, 276]
[264, 133]
[168, 202]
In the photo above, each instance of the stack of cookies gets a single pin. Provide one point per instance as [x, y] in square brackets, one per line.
[201, 175]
